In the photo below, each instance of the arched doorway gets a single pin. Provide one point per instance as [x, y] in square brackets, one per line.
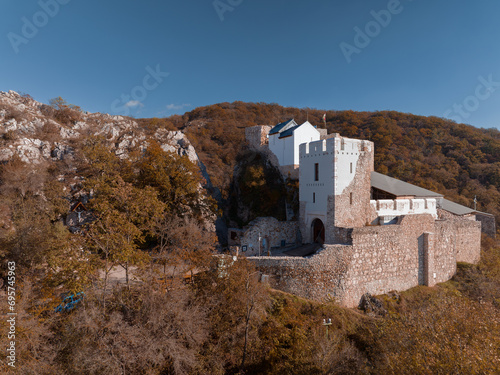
[318, 230]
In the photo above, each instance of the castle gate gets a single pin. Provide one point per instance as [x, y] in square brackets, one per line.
[318, 230]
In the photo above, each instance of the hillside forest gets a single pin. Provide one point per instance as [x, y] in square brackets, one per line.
[184, 305]
[457, 160]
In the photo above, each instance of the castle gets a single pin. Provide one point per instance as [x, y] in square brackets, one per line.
[375, 233]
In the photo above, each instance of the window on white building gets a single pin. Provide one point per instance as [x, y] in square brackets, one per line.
[316, 171]
[314, 197]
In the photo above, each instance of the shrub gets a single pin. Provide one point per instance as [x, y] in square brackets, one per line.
[12, 112]
[62, 112]
[10, 135]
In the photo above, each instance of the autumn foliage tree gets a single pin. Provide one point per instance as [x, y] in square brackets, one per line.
[63, 112]
[154, 200]
[32, 234]
[457, 160]
[177, 181]
[236, 301]
[123, 213]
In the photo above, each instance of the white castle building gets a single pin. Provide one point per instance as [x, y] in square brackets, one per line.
[285, 139]
[358, 231]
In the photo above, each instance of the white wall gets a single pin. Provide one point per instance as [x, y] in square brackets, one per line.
[346, 155]
[304, 134]
[397, 207]
[282, 148]
[335, 174]
[287, 149]
[321, 152]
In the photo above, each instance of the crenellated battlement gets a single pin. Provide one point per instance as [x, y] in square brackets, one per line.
[316, 148]
[369, 246]
[398, 207]
[335, 144]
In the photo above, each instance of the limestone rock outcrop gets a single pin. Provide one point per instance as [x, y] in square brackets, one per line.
[26, 131]
[29, 131]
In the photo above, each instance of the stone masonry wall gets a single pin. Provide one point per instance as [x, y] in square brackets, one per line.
[256, 136]
[445, 251]
[319, 277]
[387, 257]
[271, 232]
[488, 224]
[416, 251]
[468, 241]
[351, 208]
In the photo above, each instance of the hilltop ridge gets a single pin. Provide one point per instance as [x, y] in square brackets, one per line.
[138, 221]
[456, 160]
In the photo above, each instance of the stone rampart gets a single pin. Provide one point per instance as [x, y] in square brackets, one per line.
[468, 240]
[265, 234]
[488, 224]
[319, 277]
[256, 136]
[416, 251]
[388, 257]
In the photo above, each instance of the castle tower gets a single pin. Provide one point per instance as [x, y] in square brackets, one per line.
[334, 186]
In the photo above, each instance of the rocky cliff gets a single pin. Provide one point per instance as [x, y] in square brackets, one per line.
[36, 133]
[28, 131]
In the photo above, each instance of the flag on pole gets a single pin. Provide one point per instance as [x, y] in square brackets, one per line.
[324, 117]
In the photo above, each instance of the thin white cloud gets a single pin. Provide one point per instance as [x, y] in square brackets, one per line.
[134, 103]
[176, 107]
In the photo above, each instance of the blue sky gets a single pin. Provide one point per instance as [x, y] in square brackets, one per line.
[156, 58]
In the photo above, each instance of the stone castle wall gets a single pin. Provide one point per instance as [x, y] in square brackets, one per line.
[350, 208]
[416, 251]
[256, 136]
[468, 239]
[488, 224]
[319, 277]
[387, 257]
[272, 234]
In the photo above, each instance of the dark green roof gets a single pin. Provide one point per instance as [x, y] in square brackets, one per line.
[283, 126]
[289, 131]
